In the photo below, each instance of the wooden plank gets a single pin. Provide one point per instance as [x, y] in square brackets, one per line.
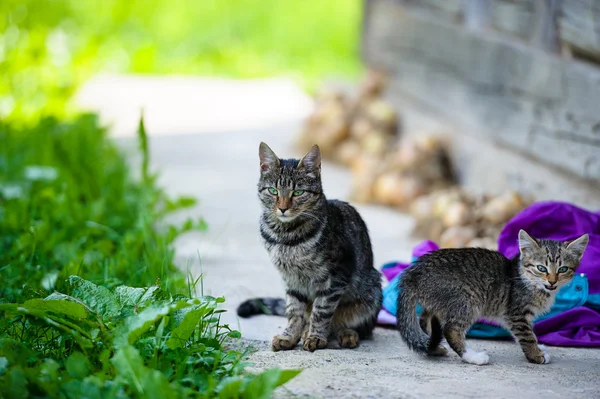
[524, 97]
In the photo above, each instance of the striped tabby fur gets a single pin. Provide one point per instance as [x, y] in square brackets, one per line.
[323, 252]
[455, 287]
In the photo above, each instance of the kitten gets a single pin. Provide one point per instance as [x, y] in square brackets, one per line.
[455, 287]
[322, 250]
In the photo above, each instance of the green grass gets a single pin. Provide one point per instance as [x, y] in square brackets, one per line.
[49, 47]
[69, 206]
[72, 215]
[129, 342]
[76, 232]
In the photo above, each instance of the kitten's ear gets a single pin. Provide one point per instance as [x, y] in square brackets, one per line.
[268, 159]
[527, 242]
[312, 160]
[579, 245]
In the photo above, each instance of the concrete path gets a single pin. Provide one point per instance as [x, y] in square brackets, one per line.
[221, 169]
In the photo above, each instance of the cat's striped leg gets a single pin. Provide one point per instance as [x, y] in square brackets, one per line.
[353, 321]
[323, 308]
[455, 335]
[431, 325]
[522, 329]
[295, 310]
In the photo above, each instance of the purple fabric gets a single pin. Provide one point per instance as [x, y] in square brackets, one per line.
[557, 221]
[575, 327]
[419, 250]
[386, 318]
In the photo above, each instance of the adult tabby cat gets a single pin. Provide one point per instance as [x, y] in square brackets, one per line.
[322, 250]
[455, 287]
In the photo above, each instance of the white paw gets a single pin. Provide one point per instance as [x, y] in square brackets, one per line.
[478, 358]
[546, 354]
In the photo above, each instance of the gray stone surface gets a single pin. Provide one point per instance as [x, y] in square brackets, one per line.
[525, 98]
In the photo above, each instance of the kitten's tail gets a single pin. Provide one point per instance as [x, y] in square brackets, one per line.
[408, 324]
[256, 306]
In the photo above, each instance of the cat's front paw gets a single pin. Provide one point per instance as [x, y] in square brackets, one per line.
[283, 343]
[473, 357]
[314, 342]
[348, 338]
[541, 357]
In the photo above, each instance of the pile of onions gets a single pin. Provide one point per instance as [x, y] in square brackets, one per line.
[346, 128]
[414, 174]
[456, 219]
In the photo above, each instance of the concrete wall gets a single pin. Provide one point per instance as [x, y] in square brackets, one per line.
[513, 92]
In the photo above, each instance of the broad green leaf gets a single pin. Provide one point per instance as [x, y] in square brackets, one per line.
[184, 330]
[78, 365]
[229, 388]
[137, 324]
[264, 384]
[50, 369]
[62, 324]
[93, 387]
[149, 295]
[148, 383]
[287, 375]
[14, 351]
[16, 384]
[61, 307]
[3, 365]
[234, 334]
[130, 296]
[97, 298]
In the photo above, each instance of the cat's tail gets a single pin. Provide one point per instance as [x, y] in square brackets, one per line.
[408, 324]
[256, 306]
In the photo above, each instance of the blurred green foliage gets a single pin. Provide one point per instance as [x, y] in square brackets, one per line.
[75, 227]
[68, 205]
[49, 47]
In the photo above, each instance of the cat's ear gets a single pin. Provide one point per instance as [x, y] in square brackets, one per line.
[527, 242]
[268, 159]
[311, 161]
[579, 245]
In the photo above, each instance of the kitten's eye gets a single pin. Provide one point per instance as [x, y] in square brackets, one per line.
[298, 193]
[542, 269]
[563, 269]
[273, 191]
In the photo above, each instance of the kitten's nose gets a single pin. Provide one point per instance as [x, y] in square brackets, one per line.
[283, 210]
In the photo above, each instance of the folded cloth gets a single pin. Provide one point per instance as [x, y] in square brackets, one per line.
[574, 319]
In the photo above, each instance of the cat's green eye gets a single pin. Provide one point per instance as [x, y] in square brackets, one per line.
[273, 191]
[542, 269]
[563, 269]
[298, 193]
